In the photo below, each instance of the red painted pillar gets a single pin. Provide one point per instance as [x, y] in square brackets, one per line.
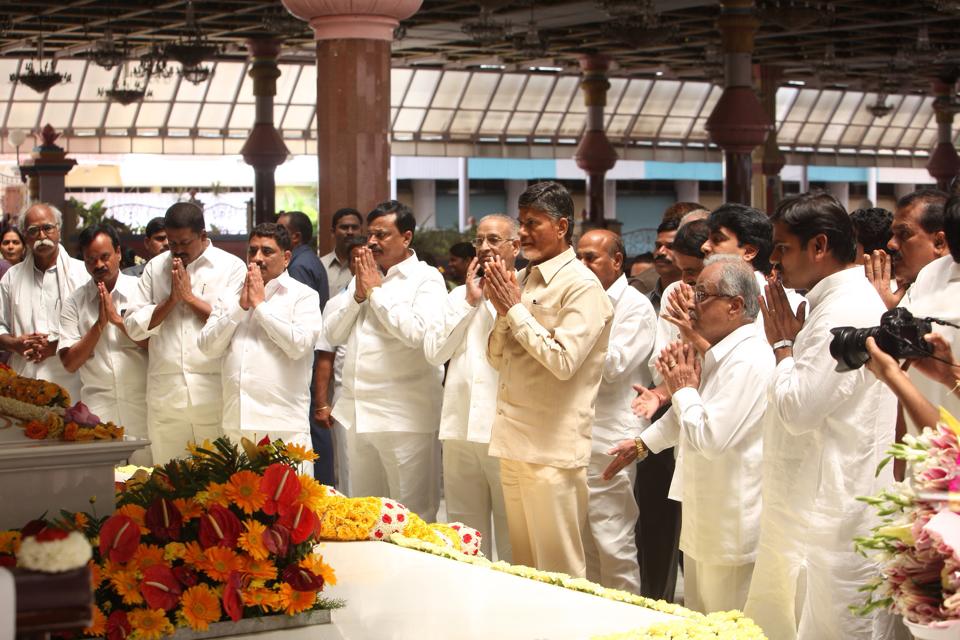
[944, 162]
[595, 155]
[738, 124]
[353, 99]
[773, 159]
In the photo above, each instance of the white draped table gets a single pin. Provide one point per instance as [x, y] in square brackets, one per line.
[394, 593]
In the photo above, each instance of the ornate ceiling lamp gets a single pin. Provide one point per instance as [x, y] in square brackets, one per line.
[485, 30]
[42, 77]
[125, 93]
[153, 65]
[106, 52]
[530, 44]
[192, 50]
[637, 25]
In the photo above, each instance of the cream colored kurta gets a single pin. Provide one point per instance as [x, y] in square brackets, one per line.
[550, 350]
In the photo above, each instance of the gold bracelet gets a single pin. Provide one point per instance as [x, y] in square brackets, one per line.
[642, 450]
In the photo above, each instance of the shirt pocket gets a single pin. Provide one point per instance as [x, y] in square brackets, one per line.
[547, 316]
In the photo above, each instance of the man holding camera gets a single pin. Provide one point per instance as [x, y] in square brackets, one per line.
[826, 435]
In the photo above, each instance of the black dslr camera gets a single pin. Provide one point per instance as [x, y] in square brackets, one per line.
[899, 334]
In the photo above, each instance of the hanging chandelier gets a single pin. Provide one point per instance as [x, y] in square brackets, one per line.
[484, 30]
[196, 74]
[125, 93]
[531, 43]
[153, 65]
[106, 52]
[192, 50]
[42, 77]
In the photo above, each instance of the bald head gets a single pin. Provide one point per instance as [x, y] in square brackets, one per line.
[602, 251]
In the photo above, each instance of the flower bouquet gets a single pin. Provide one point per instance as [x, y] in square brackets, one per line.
[917, 541]
[225, 534]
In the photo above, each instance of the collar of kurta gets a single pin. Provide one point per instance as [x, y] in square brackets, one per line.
[617, 288]
[405, 267]
[550, 268]
[281, 281]
[205, 254]
[834, 280]
[719, 351]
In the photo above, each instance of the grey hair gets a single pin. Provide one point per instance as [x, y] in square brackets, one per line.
[737, 279]
[514, 223]
[553, 199]
[696, 214]
[22, 218]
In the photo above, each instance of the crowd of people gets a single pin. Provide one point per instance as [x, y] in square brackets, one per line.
[587, 417]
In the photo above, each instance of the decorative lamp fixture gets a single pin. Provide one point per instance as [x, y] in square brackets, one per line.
[830, 69]
[125, 93]
[43, 77]
[106, 53]
[484, 30]
[531, 44]
[191, 51]
[880, 109]
[153, 65]
[16, 137]
[639, 28]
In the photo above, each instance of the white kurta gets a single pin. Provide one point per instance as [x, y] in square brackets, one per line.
[471, 477]
[266, 357]
[31, 302]
[184, 399]
[114, 378]
[936, 293]
[390, 395]
[826, 435]
[610, 547]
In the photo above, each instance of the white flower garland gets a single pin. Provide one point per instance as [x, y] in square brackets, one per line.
[55, 556]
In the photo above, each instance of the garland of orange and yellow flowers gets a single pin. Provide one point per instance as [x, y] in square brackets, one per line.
[724, 625]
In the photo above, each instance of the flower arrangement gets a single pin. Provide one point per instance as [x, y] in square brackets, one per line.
[917, 542]
[224, 534]
[53, 550]
[39, 393]
[725, 625]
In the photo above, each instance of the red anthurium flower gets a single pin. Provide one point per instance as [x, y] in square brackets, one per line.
[160, 587]
[187, 577]
[219, 526]
[48, 533]
[302, 579]
[231, 594]
[301, 521]
[118, 627]
[281, 486]
[33, 527]
[119, 537]
[277, 540]
[264, 441]
[164, 520]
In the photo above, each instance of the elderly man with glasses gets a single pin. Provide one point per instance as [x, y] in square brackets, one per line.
[32, 293]
[717, 419]
[471, 477]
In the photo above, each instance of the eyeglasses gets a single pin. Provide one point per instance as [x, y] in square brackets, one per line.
[699, 296]
[378, 234]
[493, 241]
[47, 229]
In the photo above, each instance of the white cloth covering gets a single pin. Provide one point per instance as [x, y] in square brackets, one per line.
[824, 439]
[936, 293]
[610, 546]
[719, 430]
[266, 357]
[715, 587]
[184, 399]
[114, 378]
[31, 302]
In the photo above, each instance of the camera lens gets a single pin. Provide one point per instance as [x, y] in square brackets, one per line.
[849, 346]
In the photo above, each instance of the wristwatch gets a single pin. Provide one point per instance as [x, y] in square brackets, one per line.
[642, 451]
[783, 344]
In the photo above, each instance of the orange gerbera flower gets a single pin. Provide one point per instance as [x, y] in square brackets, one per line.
[216, 493]
[150, 624]
[266, 599]
[251, 540]
[146, 556]
[193, 554]
[80, 520]
[293, 601]
[99, 625]
[189, 508]
[218, 562]
[314, 563]
[10, 541]
[299, 453]
[262, 569]
[312, 494]
[127, 586]
[200, 607]
[136, 513]
[95, 575]
[243, 490]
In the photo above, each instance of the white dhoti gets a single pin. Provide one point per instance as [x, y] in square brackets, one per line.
[714, 587]
[471, 486]
[178, 413]
[398, 465]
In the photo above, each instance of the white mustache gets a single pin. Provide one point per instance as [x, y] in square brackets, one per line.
[43, 242]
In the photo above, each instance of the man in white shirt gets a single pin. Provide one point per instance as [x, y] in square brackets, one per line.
[391, 394]
[610, 546]
[716, 417]
[827, 434]
[265, 339]
[174, 297]
[471, 476]
[347, 224]
[32, 293]
[93, 340]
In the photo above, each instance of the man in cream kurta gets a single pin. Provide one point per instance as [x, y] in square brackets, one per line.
[391, 395]
[265, 337]
[112, 367]
[471, 476]
[548, 343]
[173, 300]
[32, 293]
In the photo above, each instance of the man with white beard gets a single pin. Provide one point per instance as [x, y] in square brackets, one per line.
[32, 294]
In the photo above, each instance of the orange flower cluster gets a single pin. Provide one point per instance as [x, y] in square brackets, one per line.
[73, 432]
[36, 392]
